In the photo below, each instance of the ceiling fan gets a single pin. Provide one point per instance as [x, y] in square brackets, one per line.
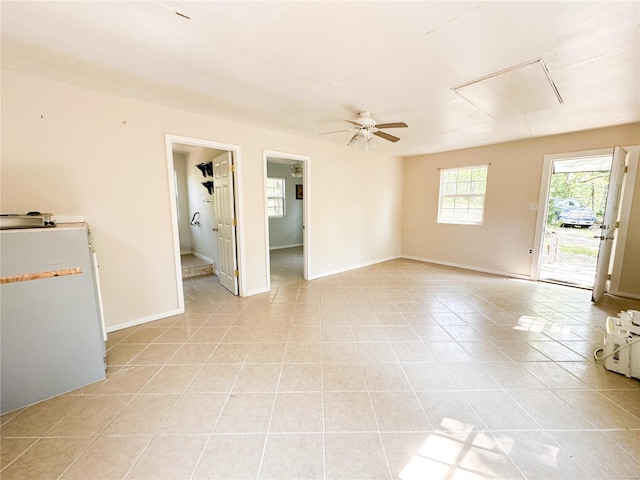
[366, 127]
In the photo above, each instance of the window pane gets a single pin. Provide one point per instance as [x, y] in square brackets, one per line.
[449, 176]
[464, 175]
[479, 174]
[460, 215]
[461, 203]
[449, 189]
[448, 202]
[476, 202]
[475, 215]
[478, 187]
[464, 187]
[446, 214]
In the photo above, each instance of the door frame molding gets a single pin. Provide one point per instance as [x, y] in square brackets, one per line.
[170, 139]
[306, 209]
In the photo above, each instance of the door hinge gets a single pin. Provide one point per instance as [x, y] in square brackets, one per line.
[236, 273]
[626, 169]
[232, 168]
[608, 276]
[617, 225]
[234, 222]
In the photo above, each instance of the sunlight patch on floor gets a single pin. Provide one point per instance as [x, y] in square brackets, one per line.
[454, 451]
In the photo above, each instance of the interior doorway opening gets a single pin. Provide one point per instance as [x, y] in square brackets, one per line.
[195, 209]
[202, 186]
[575, 208]
[287, 200]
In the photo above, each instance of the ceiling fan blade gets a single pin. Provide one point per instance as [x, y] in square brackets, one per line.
[353, 139]
[354, 123]
[386, 136]
[336, 131]
[392, 125]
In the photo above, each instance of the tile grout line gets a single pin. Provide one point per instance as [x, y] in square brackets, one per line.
[375, 415]
[273, 407]
[224, 404]
[180, 396]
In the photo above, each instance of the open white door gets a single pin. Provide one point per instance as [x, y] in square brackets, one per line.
[609, 222]
[226, 221]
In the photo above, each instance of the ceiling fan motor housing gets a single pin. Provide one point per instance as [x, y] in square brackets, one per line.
[366, 127]
[366, 120]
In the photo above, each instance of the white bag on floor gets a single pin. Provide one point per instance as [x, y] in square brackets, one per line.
[621, 352]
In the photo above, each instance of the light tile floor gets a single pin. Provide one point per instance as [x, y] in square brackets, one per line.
[400, 370]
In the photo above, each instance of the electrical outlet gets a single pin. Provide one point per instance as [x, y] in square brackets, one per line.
[533, 206]
[530, 251]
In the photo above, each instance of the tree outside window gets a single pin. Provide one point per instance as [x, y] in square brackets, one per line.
[462, 192]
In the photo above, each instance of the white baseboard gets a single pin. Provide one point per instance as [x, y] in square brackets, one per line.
[634, 296]
[354, 267]
[285, 246]
[468, 267]
[140, 321]
[202, 257]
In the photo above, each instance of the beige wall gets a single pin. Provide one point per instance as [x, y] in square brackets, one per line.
[501, 243]
[69, 150]
[74, 151]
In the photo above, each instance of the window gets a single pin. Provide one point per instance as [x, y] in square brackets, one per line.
[275, 197]
[462, 195]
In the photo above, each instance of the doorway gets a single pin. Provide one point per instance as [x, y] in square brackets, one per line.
[578, 223]
[286, 217]
[203, 192]
[574, 211]
[195, 209]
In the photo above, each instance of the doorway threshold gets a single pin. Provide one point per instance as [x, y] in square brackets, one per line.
[565, 283]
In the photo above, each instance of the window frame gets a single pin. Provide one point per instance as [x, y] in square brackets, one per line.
[282, 197]
[462, 195]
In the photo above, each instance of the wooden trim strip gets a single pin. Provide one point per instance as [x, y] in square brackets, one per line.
[37, 276]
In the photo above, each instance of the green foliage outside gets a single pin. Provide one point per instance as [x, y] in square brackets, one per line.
[590, 188]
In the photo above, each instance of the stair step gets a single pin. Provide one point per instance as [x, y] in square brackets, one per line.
[188, 272]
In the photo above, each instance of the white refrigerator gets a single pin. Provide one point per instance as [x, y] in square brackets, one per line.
[52, 337]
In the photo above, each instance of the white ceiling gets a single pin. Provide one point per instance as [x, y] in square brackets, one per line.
[304, 67]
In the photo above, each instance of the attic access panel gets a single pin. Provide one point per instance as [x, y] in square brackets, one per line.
[527, 87]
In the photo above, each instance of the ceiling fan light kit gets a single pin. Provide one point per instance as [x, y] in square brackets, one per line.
[296, 170]
[365, 129]
[363, 142]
